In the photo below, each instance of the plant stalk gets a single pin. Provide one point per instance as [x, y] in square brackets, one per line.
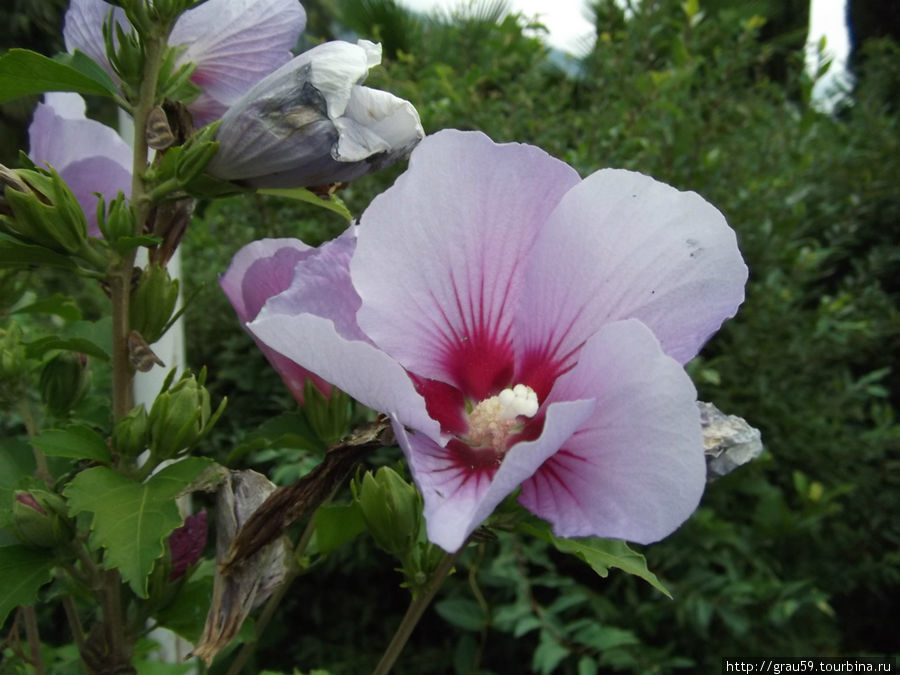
[414, 612]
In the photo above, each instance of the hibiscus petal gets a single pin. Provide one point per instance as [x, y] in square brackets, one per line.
[361, 370]
[457, 498]
[91, 157]
[235, 43]
[440, 255]
[635, 470]
[620, 245]
[260, 270]
[83, 28]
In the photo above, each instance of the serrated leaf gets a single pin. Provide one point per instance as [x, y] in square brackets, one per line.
[24, 72]
[132, 520]
[76, 442]
[22, 572]
[600, 554]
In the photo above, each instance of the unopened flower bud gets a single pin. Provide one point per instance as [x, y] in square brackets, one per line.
[131, 432]
[186, 544]
[153, 302]
[39, 518]
[311, 123]
[119, 222]
[392, 510]
[329, 416]
[64, 381]
[43, 209]
[180, 417]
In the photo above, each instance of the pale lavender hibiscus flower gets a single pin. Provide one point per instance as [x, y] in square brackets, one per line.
[91, 157]
[234, 44]
[264, 269]
[523, 327]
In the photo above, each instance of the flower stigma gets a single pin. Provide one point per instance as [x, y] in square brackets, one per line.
[493, 420]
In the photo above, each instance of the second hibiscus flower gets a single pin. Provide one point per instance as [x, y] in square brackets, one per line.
[521, 327]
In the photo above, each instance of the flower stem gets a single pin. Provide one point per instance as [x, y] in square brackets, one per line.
[414, 612]
[34, 639]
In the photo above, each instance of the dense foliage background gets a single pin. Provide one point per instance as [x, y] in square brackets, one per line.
[797, 554]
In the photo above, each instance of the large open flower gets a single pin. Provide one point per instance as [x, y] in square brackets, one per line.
[91, 157]
[234, 44]
[524, 327]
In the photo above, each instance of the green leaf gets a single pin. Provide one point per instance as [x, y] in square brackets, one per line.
[186, 614]
[16, 464]
[22, 572]
[36, 349]
[16, 253]
[302, 194]
[77, 442]
[600, 554]
[462, 612]
[337, 524]
[24, 72]
[132, 520]
[548, 654]
[85, 65]
[57, 304]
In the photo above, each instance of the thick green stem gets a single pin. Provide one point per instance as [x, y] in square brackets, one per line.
[414, 612]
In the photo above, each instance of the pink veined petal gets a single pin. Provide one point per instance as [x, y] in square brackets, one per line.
[235, 43]
[635, 470]
[439, 260]
[83, 28]
[360, 369]
[321, 286]
[458, 495]
[260, 270]
[619, 245]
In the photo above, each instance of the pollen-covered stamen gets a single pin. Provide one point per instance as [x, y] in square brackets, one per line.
[493, 420]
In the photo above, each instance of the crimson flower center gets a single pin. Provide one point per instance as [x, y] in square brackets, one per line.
[494, 419]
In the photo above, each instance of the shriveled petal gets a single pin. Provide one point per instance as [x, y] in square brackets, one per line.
[290, 129]
[91, 157]
[376, 122]
[362, 370]
[439, 260]
[83, 28]
[619, 245]
[235, 43]
[459, 498]
[635, 470]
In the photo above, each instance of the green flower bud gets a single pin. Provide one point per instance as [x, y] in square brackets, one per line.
[153, 302]
[329, 416]
[119, 222]
[39, 518]
[131, 432]
[181, 416]
[64, 381]
[44, 210]
[392, 510]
